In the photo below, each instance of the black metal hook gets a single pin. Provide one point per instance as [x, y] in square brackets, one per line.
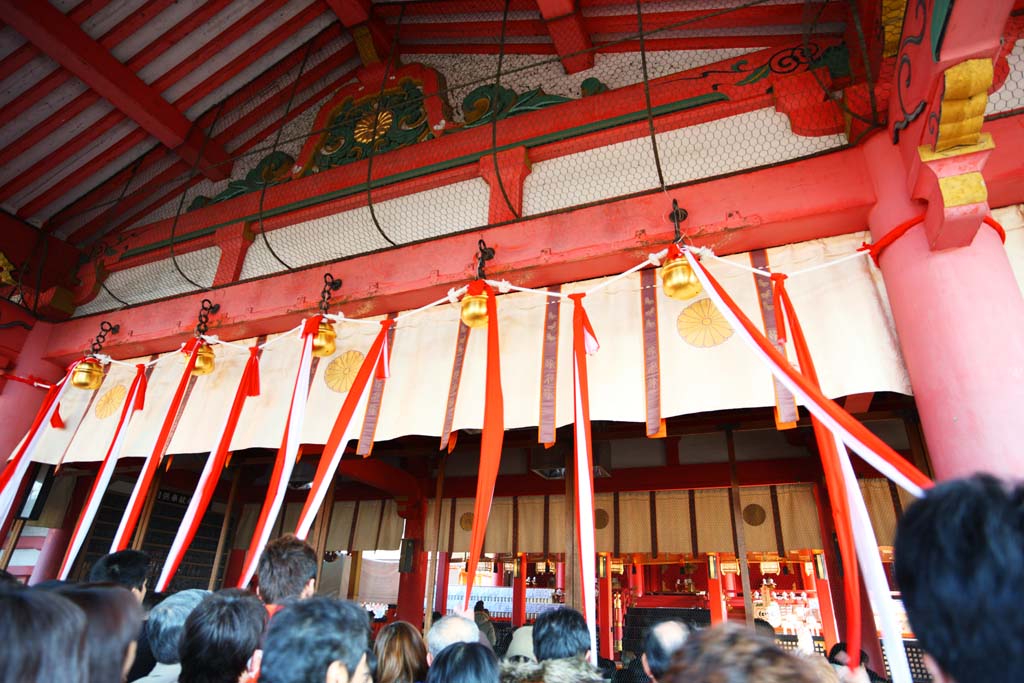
[331, 284]
[206, 309]
[677, 216]
[106, 328]
[484, 255]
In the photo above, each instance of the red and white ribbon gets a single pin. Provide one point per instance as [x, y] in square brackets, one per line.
[248, 385]
[345, 428]
[13, 475]
[490, 441]
[584, 343]
[135, 401]
[286, 454]
[134, 510]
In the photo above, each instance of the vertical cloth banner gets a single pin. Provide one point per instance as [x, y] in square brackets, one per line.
[447, 438]
[345, 427]
[134, 401]
[652, 364]
[846, 431]
[13, 474]
[786, 415]
[248, 385]
[584, 343]
[546, 428]
[490, 441]
[864, 542]
[134, 510]
[284, 463]
[376, 396]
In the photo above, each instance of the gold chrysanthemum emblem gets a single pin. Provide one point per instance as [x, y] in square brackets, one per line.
[366, 132]
[701, 325]
[110, 401]
[341, 373]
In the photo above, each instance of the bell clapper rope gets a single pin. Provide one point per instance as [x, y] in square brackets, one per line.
[204, 355]
[474, 303]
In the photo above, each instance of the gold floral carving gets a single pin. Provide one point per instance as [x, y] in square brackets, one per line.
[366, 132]
[341, 372]
[701, 325]
[110, 401]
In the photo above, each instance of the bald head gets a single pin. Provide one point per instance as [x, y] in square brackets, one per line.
[448, 631]
[663, 641]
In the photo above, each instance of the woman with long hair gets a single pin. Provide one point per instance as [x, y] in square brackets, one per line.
[114, 622]
[401, 654]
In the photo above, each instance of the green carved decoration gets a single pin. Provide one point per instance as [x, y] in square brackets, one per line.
[592, 86]
[274, 168]
[940, 18]
[495, 102]
[395, 119]
[835, 58]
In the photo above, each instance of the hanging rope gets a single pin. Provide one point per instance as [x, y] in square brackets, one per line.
[494, 120]
[376, 124]
[647, 95]
[277, 140]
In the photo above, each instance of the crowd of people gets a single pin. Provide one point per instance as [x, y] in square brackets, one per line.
[959, 565]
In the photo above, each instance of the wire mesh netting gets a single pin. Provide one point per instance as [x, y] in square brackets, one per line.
[618, 100]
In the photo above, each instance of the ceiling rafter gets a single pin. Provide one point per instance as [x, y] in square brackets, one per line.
[27, 52]
[569, 34]
[114, 152]
[65, 42]
[59, 76]
[99, 194]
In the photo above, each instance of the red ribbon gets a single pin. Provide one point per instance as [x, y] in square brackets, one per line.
[876, 249]
[833, 476]
[248, 385]
[328, 464]
[778, 286]
[581, 328]
[124, 533]
[490, 441]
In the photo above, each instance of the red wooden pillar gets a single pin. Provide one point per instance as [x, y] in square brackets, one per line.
[606, 637]
[820, 583]
[560, 575]
[519, 592]
[830, 565]
[441, 589]
[506, 201]
[56, 544]
[412, 585]
[234, 242]
[716, 596]
[636, 580]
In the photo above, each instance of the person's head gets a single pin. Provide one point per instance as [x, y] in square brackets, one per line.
[114, 619]
[401, 654]
[960, 566]
[521, 648]
[287, 569]
[464, 663]
[43, 636]
[167, 623]
[314, 640]
[560, 634]
[9, 580]
[839, 656]
[128, 568]
[479, 606]
[220, 637]
[663, 641]
[728, 653]
[448, 631]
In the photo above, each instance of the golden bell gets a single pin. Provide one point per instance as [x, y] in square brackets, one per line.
[474, 310]
[678, 279]
[87, 375]
[204, 361]
[323, 342]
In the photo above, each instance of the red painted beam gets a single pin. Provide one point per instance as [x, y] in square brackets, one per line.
[62, 39]
[104, 189]
[52, 261]
[27, 52]
[565, 25]
[57, 77]
[380, 475]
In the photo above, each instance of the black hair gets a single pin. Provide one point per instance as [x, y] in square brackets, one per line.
[841, 647]
[128, 568]
[286, 566]
[114, 619]
[8, 579]
[960, 565]
[43, 636]
[661, 644]
[479, 606]
[307, 636]
[220, 636]
[464, 663]
[559, 634]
